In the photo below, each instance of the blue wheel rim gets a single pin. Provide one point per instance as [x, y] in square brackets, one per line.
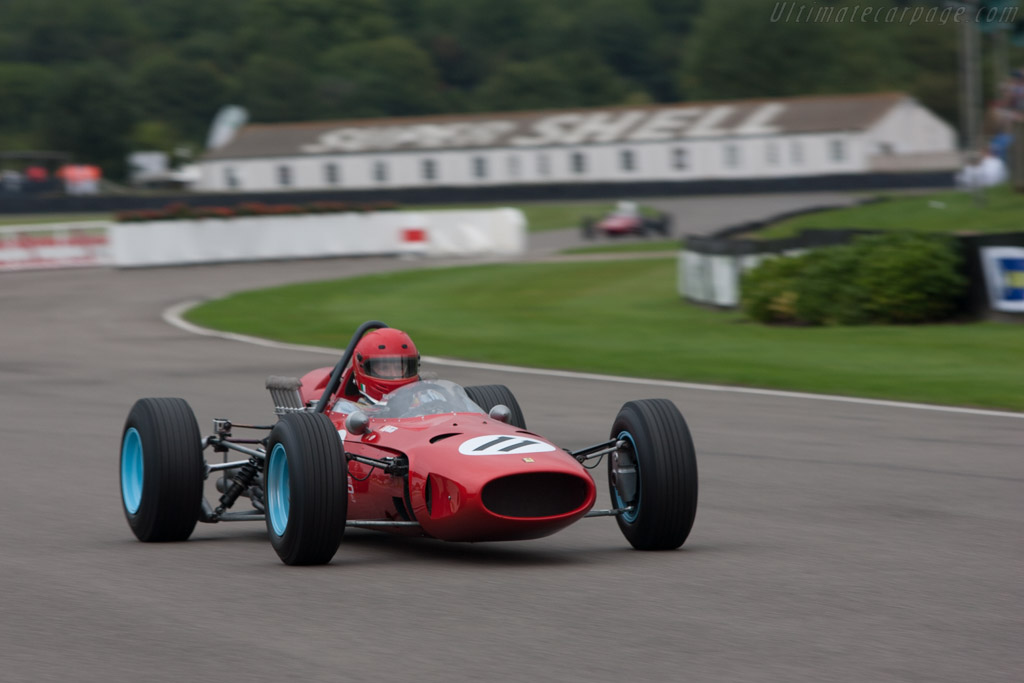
[131, 470]
[278, 496]
[630, 517]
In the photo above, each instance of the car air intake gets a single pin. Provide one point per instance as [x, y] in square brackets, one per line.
[284, 391]
[540, 494]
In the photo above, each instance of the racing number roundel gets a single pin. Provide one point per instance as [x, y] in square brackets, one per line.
[503, 444]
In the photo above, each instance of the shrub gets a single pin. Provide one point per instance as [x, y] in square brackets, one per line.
[909, 278]
[887, 278]
[825, 289]
[768, 292]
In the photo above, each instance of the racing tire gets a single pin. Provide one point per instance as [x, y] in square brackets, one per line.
[306, 489]
[663, 224]
[489, 395]
[588, 229]
[162, 470]
[656, 474]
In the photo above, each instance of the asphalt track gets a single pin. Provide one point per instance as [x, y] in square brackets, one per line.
[834, 541]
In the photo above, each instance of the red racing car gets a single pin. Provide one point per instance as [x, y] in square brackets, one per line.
[627, 219]
[428, 458]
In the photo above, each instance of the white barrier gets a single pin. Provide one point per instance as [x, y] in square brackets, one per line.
[714, 279]
[54, 245]
[258, 238]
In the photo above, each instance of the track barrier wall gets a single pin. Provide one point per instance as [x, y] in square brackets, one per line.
[260, 238]
[497, 232]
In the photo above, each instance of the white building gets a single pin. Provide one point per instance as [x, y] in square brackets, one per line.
[729, 140]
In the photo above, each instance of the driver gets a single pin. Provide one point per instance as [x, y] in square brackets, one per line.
[385, 360]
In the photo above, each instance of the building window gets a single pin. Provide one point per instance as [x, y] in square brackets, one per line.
[380, 171]
[479, 167]
[230, 178]
[331, 175]
[543, 165]
[731, 156]
[284, 176]
[680, 159]
[429, 169]
[627, 160]
[578, 162]
[513, 166]
[836, 150]
[771, 153]
[796, 152]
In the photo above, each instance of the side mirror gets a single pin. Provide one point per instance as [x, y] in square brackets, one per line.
[500, 413]
[357, 423]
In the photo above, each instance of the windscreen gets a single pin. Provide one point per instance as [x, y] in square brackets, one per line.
[434, 397]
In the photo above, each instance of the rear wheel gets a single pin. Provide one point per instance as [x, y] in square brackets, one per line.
[654, 473]
[588, 228]
[664, 224]
[489, 395]
[161, 470]
[306, 489]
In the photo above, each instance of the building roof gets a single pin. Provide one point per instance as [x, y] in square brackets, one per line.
[682, 121]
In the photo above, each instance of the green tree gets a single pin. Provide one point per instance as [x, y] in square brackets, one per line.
[88, 113]
[386, 77]
[51, 31]
[736, 49]
[275, 89]
[529, 85]
[24, 88]
[185, 94]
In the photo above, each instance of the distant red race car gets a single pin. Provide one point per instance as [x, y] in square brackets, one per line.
[431, 459]
[627, 219]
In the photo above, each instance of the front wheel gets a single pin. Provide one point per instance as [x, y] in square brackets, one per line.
[306, 489]
[161, 470]
[654, 473]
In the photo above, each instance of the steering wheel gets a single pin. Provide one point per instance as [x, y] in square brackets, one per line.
[406, 409]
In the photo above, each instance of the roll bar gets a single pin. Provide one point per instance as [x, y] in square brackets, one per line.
[335, 381]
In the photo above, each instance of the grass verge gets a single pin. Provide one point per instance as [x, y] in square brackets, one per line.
[640, 245]
[540, 216]
[1002, 210]
[625, 318]
[43, 218]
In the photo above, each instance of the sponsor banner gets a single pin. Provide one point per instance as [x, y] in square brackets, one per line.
[1004, 277]
[65, 245]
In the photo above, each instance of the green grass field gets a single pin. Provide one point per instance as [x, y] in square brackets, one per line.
[615, 247]
[540, 216]
[955, 211]
[624, 317]
[43, 218]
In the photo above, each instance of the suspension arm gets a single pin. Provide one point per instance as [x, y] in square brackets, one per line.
[221, 444]
[597, 450]
[393, 466]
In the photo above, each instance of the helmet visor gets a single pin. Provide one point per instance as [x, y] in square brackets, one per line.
[392, 367]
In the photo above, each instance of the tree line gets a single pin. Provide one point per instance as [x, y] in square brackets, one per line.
[99, 78]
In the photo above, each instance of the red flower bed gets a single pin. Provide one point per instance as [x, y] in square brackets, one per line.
[181, 210]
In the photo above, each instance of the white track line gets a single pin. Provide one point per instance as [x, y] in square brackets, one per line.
[173, 316]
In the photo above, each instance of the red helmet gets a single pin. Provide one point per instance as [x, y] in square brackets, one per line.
[385, 360]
